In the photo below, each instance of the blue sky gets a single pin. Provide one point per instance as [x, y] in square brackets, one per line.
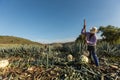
[55, 20]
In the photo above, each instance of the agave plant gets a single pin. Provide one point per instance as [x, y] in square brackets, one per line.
[118, 47]
[79, 48]
[106, 49]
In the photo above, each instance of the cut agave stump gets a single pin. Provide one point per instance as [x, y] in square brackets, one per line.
[69, 58]
[4, 63]
[83, 59]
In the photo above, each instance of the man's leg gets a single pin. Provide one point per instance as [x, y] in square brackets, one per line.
[95, 58]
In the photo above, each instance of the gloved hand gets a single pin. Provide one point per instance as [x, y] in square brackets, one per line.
[87, 41]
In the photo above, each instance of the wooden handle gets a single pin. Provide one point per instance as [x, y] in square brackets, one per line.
[84, 24]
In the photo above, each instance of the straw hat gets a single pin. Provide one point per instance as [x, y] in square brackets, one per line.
[93, 30]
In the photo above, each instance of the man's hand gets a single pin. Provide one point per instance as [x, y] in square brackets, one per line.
[87, 41]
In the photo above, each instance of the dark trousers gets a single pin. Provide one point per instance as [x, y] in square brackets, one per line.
[92, 54]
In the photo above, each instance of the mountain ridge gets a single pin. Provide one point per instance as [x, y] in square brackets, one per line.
[16, 40]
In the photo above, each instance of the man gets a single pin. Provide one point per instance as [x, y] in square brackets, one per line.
[91, 40]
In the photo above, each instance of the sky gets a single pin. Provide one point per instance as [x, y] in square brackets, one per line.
[48, 21]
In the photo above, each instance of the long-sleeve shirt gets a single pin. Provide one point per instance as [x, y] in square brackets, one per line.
[91, 41]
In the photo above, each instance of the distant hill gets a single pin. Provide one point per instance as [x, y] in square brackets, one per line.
[16, 40]
[62, 44]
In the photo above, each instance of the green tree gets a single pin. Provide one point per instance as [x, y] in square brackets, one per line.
[110, 33]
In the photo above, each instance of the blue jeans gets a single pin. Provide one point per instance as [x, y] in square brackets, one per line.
[92, 53]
